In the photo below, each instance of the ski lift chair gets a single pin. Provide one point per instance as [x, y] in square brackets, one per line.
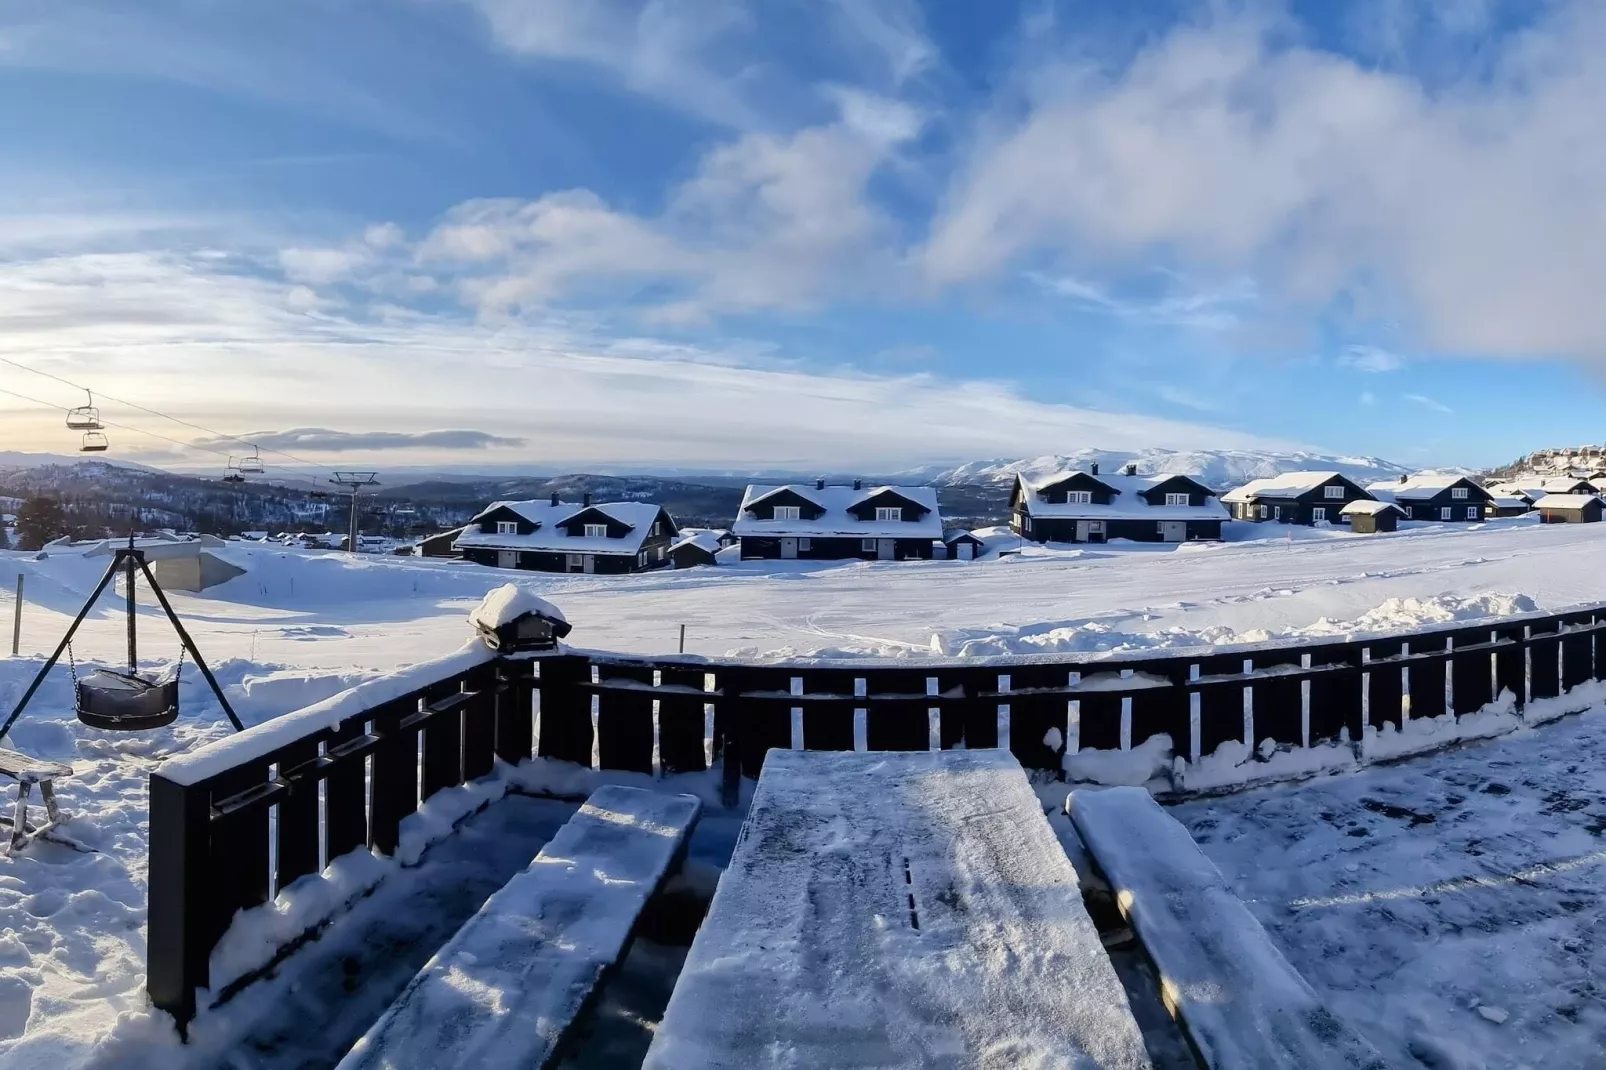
[252, 465]
[84, 417]
[94, 442]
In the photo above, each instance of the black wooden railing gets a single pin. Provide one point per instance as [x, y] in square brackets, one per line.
[210, 854]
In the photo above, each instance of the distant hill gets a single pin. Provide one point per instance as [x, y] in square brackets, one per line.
[1219, 469]
[1580, 461]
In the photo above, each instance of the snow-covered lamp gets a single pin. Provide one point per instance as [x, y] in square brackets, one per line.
[511, 620]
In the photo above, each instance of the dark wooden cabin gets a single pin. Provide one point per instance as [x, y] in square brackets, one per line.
[556, 536]
[1441, 498]
[819, 522]
[1369, 517]
[1295, 498]
[1570, 509]
[1089, 507]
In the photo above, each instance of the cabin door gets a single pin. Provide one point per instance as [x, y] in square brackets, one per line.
[590, 563]
[1174, 530]
[966, 551]
[788, 549]
[883, 549]
[507, 559]
[1090, 531]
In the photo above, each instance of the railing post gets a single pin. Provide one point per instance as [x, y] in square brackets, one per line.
[178, 921]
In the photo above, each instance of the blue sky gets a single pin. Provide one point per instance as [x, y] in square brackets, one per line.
[854, 233]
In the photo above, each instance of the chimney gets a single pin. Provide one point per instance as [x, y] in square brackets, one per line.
[858, 484]
[1093, 469]
[555, 502]
[819, 484]
[586, 500]
[1132, 468]
[1404, 478]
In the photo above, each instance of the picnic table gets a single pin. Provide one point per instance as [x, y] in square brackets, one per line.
[897, 910]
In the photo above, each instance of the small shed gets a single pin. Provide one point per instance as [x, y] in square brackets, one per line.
[1515, 504]
[179, 564]
[1570, 508]
[700, 548]
[441, 545]
[962, 545]
[1368, 517]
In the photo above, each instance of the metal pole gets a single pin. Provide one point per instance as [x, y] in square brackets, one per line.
[16, 620]
[682, 638]
[351, 539]
[133, 648]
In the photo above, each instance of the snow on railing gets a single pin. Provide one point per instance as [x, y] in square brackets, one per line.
[343, 774]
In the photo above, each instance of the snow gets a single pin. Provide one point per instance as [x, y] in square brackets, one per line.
[1213, 468]
[1421, 486]
[549, 520]
[897, 910]
[1129, 504]
[835, 520]
[507, 604]
[1565, 501]
[1240, 1000]
[703, 540]
[1369, 508]
[505, 989]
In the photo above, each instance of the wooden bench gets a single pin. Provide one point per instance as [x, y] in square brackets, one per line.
[27, 772]
[887, 910]
[507, 988]
[1241, 1004]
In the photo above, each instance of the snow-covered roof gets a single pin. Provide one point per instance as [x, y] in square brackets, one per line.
[1565, 501]
[1521, 501]
[1285, 485]
[1508, 490]
[953, 534]
[1560, 485]
[835, 518]
[1128, 505]
[508, 603]
[1362, 507]
[1419, 487]
[703, 540]
[548, 534]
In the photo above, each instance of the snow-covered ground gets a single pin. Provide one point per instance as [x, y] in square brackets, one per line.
[300, 626]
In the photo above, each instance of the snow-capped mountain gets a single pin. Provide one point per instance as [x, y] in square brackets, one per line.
[1220, 469]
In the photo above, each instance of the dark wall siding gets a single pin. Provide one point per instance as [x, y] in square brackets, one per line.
[1589, 514]
[768, 547]
[1062, 530]
[545, 561]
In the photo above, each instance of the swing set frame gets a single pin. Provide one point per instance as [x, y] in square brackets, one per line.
[131, 561]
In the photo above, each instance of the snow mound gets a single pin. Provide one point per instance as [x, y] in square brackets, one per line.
[507, 604]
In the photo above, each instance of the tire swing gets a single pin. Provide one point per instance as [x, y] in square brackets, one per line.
[125, 701]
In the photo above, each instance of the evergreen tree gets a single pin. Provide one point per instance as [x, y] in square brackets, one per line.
[39, 521]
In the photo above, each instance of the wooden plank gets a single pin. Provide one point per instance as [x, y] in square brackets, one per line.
[893, 721]
[239, 850]
[1472, 673]
[345, 794]
[296, 822]
[1511, 664]
[1240, 1002]
[515, 712]
[1385, 694]
[393, 786]
[624, 719]
[755, 724]
[858, 882]
[1277, 701]
[682, 722]
[1163, 710]
[828, 725]
[1427, 678]
[442, 760]
[541, 944]
[1335, 698]
[479, 723]
[1033, 717]
[1577, 650]
[1544, 660]
[1221, 708]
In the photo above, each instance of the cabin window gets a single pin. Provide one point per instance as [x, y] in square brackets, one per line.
[596, 531]
[1444, 513]
[641, 559]
[1410, 512]
[1276, 512]
[884, 513]
[788, 512]
[1262, 512]
[1080, 497]
[1458, 492]
[507, 527]
[1472, 512]
[867, 545]
[1176, 499]
[1318, 515]
[1333, 492]
[657, 527]
[805, 544]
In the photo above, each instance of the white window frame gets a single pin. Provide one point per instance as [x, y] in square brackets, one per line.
[1177, 499]
[1262, 512]
[596, 531]
[888, 514]
[1318, 514]
[1335, 491]
[1444, 512]
[805, 543]
[1458, 492]
[788, 512]
[1276, 512]
[573, 562]
[867, 546]
[507, 527]
[1078, 497]
[1472, 513]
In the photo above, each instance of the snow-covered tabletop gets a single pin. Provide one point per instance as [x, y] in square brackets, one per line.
[897, 910]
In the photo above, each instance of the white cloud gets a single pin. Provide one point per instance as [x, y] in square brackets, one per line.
[197, 337]
[1470, 211]
[1219, 308]
[1370, 359]
[1428, 403]
[766, 222]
